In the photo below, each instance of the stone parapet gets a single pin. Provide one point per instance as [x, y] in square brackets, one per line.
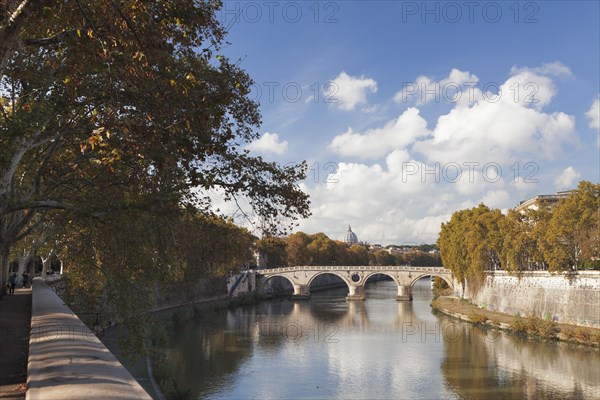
[66, 360]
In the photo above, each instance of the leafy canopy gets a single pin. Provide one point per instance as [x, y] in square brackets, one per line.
[109, 106]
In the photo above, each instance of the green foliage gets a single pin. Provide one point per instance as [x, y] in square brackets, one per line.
[127, 110]
[440, 287]
[272, 250]
[561, 238]
[471, 242]
[318, 249]
[161, 370]
[535, 326]
[209, 246]
[582, 334]
[439, 283]
[477, 318]
[572, 238]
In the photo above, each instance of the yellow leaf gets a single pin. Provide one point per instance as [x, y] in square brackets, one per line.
[90, 33]
[79, 32]
[172, 82]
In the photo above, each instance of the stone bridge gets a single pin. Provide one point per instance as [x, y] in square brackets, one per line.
[355, 277]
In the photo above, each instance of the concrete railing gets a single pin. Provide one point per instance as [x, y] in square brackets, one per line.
[406, 268]
[66, 360]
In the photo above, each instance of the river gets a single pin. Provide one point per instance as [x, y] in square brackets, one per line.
[327, 347]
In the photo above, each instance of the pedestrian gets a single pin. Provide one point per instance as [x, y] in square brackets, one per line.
[25, 279]
[12, 282]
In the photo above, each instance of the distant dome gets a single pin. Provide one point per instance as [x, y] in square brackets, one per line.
[350, 238]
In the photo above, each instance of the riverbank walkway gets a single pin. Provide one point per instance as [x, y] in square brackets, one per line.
[15, 322]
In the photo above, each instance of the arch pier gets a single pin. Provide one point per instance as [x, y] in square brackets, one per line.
[355, 277]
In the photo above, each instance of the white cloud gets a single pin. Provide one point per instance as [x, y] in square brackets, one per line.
[396, 134]
[348, 91]
[414, 185]
[529, 86]
[523, 185]
[593, 115]
[268, 143]
[497, 199]
[450, 89]
[503, 129]
[554, 68]
[567, 179]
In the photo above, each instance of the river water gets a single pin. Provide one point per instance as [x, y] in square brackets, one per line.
[327, 347]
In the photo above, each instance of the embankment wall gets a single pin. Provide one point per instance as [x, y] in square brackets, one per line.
[572, 298]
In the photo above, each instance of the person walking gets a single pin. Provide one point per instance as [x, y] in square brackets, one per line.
[25, 279]
[12, 282]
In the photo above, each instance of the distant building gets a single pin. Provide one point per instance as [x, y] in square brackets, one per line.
[350, 237]
[545, 200]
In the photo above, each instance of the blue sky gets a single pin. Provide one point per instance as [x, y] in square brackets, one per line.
[330, 77]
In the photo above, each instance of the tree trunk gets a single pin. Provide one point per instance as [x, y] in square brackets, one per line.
[23, 264]
[47, 262]
[13, 15]
[4, 252]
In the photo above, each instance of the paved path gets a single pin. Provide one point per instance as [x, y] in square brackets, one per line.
[15, 321]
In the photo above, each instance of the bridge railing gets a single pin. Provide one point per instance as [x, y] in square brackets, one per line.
[406, 268]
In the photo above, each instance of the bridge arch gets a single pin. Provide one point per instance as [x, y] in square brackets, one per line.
[312, 278]
[389, 274]
[442, 276]
[283, 275]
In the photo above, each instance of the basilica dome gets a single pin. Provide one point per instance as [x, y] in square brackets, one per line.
[350, 237]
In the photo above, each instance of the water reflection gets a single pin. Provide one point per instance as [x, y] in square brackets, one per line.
[380, 348]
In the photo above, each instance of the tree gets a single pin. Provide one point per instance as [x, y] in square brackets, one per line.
[484, 239]
[125, 106]
[517, 243]
[382, 257]
[357, 254]
[272, 251]
[471, 242]
[323, 250]
[296, 247]
[453, 247]
[571, 237]
[209, 247]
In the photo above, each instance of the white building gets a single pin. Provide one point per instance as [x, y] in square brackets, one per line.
[350, 237]
[547, 200]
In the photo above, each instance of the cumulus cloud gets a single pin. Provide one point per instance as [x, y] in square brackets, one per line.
[450, 89]
[502, 127]
[409, 174]
[593, 115]
[528, 86]
[348, 91]
[268, 143]
[567, 179]
[497, 199]
[554, 69]
[396, 134]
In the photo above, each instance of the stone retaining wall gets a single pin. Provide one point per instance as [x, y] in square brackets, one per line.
[572, 298]
[66, 360]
